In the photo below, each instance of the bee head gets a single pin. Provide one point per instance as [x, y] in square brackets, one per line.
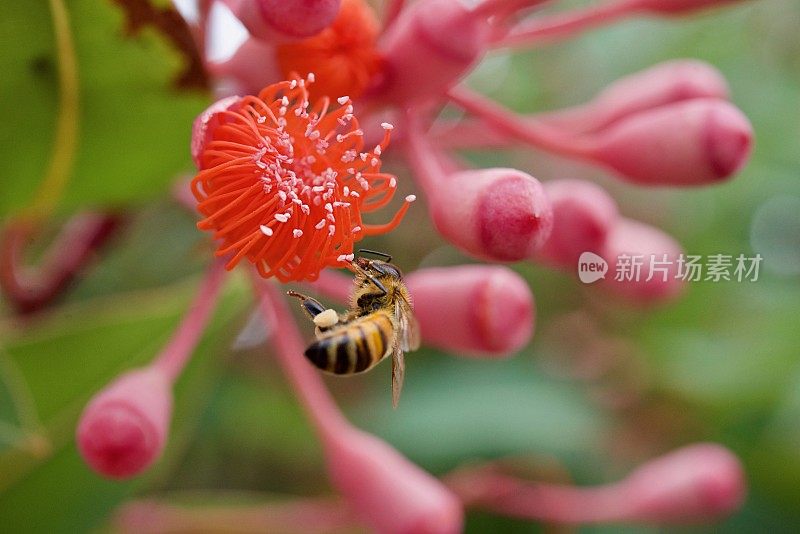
[379, 269]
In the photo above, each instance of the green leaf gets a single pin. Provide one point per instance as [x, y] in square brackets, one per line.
[133, 126]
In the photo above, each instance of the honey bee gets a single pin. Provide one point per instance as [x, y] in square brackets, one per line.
[379, 322]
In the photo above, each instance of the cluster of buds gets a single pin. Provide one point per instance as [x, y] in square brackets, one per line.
[285, 171]
[672, 125]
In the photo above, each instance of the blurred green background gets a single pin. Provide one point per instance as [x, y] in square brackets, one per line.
[600, 389]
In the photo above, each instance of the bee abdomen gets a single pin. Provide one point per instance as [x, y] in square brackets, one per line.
[358, 348]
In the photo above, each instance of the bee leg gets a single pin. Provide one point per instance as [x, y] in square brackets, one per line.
[311, 306]
[323, 318]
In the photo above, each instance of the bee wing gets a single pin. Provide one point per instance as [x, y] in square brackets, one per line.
[398, 372]
[407, 326]
[407, 339]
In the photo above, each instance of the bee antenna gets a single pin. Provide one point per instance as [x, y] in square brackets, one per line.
[388, 257]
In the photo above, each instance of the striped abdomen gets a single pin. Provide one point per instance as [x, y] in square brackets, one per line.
[354, 347]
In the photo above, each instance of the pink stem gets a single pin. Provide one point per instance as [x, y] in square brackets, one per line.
[176, 354]
[566, 24]
[509, 123]
[289, 345]
[467, 133]
[474, 133]
[428, 170]
[489, 490]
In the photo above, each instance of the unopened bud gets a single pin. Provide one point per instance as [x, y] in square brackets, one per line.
[429, 48]
[691, 143]
[281, 20]
[392, 494]
[124, 428]
[495, 214]
[643, 262]
[474, 310]
[698, 482]
[583, 214]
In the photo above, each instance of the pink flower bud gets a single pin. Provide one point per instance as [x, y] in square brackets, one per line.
[643, 262]
[476, 310]
[495, 214]
[697, 142]
[124, 428]
[206, 122]
[429, 48]
[660, 85]
[678, 7]
[252, 67]
[281, 20]
[392, 494]
[583, 214]
[695, 483]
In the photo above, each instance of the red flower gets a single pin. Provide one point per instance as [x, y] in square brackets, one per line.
[284, 184]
